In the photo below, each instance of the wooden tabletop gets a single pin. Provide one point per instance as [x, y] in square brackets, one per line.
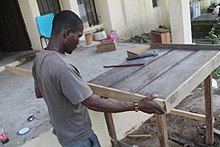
[173, 74]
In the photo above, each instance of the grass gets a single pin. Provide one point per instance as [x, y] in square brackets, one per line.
[216, 74]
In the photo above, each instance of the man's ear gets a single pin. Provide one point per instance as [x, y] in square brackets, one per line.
[67, 33]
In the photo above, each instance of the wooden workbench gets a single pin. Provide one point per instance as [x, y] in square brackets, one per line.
[173, 74]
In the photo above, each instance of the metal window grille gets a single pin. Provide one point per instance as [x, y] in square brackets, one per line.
[48, 6]
[88, 12]
[155, 3]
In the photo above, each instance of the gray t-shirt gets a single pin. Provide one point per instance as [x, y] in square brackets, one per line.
[63, 90]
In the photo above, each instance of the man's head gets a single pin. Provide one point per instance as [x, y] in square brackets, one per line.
[70, 27]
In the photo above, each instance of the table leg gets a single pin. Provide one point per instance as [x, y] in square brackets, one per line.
[111, 129]
[208, 110]
[162, 130]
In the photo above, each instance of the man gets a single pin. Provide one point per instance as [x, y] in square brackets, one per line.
[66, 94]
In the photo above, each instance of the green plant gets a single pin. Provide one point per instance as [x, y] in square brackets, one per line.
[216, 73]
[212, 33]
[99, 30]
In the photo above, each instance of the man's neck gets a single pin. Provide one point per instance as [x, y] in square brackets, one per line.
[55, 45]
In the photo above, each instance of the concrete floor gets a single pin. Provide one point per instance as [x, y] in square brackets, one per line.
[18, 102]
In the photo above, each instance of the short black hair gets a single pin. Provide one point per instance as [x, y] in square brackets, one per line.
[65, 19]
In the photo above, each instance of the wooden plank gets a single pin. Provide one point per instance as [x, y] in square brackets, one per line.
[135, 81]
[162, 130]
[139, 135]
[111, 129]
[185, 46]
[189, 115]
[179, 81]
[114, 75]
[137, 51]
[119, 95]
[19, 71]
[209, 110]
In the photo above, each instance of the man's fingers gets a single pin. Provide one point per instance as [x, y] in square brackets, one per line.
[157, 108]
[152, 97]
[149, 106]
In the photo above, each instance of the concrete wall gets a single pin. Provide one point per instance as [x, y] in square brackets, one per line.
[128, 17]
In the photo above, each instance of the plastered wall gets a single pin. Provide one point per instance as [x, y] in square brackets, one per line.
[129, 17]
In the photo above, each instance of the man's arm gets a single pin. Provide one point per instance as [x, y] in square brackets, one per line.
[146, 105]
[38, 93]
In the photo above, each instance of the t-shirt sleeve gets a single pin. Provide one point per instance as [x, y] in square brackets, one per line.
[74, 87]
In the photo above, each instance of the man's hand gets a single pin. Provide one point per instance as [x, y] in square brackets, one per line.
[147, 105]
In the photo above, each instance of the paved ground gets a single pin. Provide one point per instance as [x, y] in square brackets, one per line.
[17, 100]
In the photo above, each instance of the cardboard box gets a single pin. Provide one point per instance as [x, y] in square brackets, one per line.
[106, 46]
[137, 51]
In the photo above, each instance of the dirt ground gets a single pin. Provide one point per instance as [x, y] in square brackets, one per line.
[182, 132]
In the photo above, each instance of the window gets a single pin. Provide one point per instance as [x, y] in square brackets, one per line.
[155, 3]
[48, 6]
[88, 12]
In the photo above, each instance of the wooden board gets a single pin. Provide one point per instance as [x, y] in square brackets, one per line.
[137, 50]
[184, 46]
[152, 71]
[114, 75]
[175, 84]
[172, 75]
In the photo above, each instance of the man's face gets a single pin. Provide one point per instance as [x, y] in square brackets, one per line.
[73, 39]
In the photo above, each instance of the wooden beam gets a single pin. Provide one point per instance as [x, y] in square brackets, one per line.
[139, 135]
[208, 110]
[185, 46]
[189, 115]
[19, 71]
[162, 130]
[119, 94]
[111, 129]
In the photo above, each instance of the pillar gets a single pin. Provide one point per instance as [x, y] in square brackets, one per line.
[30, 11]
[179, 12]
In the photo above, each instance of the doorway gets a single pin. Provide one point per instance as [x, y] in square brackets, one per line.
[13, 34]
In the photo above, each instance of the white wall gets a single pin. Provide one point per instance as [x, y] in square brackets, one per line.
[215, 1]
[69, 5]
[129, 17]
[163, 4]
[205, 4]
